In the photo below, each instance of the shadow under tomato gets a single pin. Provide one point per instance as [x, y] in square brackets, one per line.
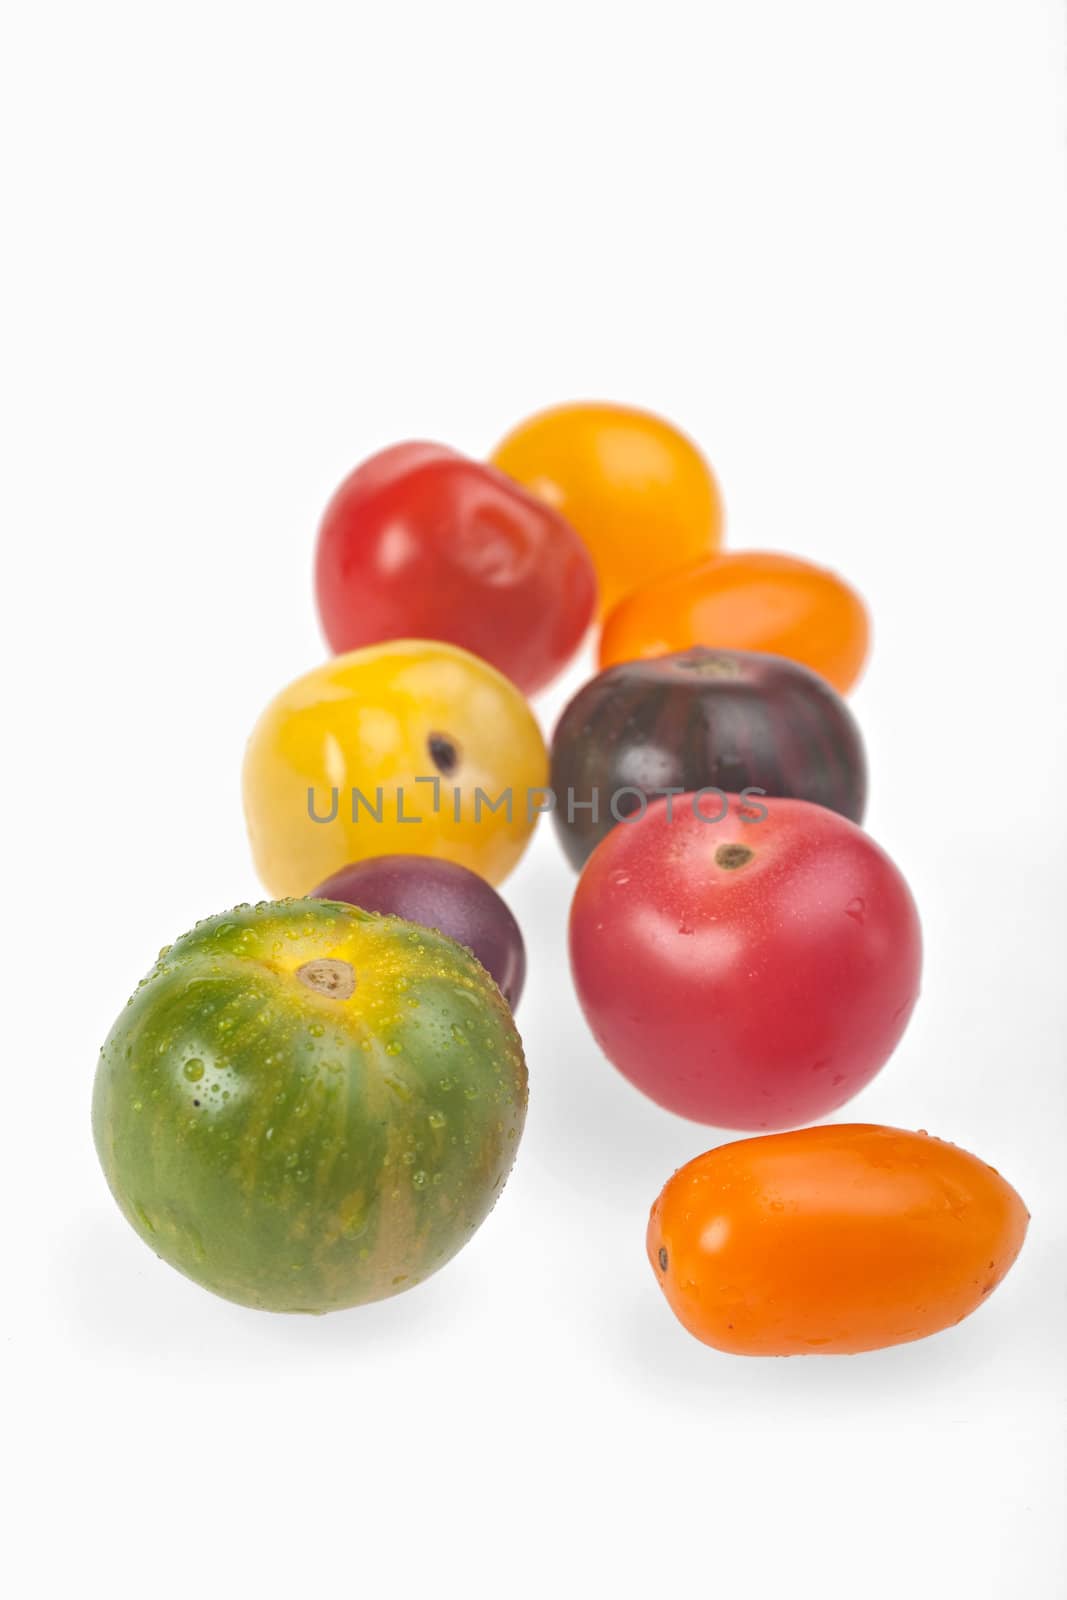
[122, 1301]
[952, 1370]
[589, 1128]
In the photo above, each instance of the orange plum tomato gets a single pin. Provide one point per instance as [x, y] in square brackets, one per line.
[832, 1240]
[746, 600]
[421, 542]
[407, 748]
[637, 489]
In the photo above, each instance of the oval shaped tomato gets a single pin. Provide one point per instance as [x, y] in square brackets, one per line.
[304, 1106]
[409, 748]
[831, 1240]
[746, 600]
[731, 718]
[421, 543]
[636, 488]
[752, 972]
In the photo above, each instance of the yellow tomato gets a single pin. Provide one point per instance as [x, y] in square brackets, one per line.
[637, 490]
[410, 747]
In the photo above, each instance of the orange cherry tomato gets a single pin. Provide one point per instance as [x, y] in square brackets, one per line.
[831, 1240]
[747, 600]
[638, 491]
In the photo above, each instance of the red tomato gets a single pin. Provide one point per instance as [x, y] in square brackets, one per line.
[753, 972]
[421, 543]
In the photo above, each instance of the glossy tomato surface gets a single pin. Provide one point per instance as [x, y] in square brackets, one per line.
[305, 1106]
[637, 489]
[441, 895]
[746, 600]
[733, 719]
[410, 748]
[747, 973]
[421, 542]
[831, 1240]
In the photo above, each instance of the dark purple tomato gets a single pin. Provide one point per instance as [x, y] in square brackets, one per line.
[717, 719]
[441, 895]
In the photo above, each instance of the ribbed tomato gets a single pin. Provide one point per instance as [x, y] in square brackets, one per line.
[422, 543]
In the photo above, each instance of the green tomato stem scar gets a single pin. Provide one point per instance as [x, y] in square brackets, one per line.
[337, 979]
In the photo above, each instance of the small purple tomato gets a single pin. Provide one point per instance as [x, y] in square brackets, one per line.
[442, 895]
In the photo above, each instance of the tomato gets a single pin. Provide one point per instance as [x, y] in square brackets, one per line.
[638, 491]
[421, 543]
[441, 895]
[730, 718]
[305, 1106]
[753, 972]
[831, 1240]
[747, 600]
[410, 748]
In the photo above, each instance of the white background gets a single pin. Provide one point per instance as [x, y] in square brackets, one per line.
[246, 245]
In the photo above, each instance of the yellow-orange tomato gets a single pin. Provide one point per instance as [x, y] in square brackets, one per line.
[747, 600]
[638, 491]
[409, 748]
[831, 1240]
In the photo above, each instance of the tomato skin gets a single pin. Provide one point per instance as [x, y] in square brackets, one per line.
[832, 1240]
[635, 487]
[384, 719]
[421, 542]
[299, 1140]
[756, 995]
[746, 600]
[732, 718]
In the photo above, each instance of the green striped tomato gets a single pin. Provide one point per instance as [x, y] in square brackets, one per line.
[306, 1106]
